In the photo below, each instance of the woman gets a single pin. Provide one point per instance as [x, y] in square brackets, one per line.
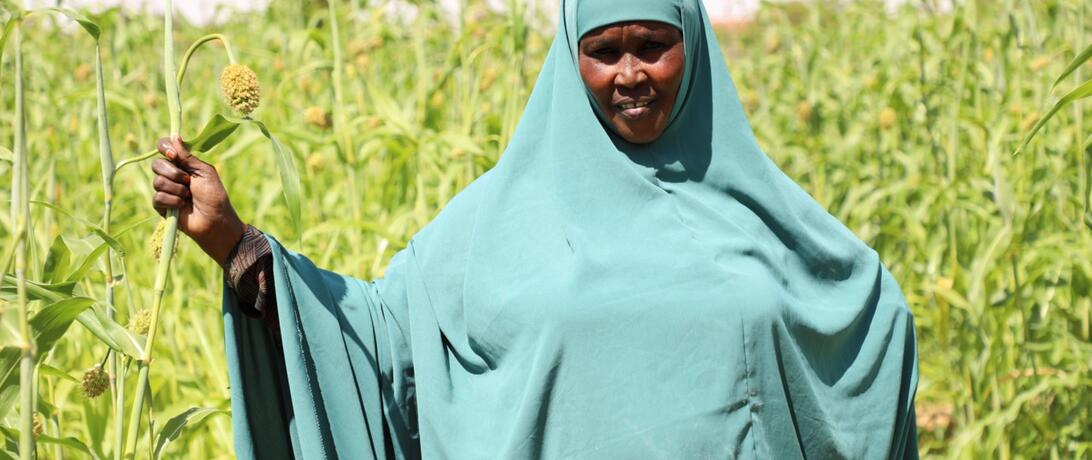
[634, 279]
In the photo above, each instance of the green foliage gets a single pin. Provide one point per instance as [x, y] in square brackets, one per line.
[910, 122]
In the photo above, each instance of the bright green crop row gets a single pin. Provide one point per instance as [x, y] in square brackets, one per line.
[903, 126]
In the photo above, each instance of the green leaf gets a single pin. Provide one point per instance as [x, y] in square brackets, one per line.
[215, 131]
[69, 442]
[110, 241]
[1080, 59]
[111, 333]
[37, 291]
[8, 27]
[1078, 93]
[57, 261]
[9, 378]
[65, 213]
[290, 178]
[6, 155]
[51, 322]
[85, 252]
[47, 370]
[92, 29]
[173, 428]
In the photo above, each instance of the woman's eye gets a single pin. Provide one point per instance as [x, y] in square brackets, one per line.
[604, 52]
[653, 46]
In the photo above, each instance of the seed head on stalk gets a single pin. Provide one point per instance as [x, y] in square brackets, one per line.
[156, 242]
[39, 427]
[140, 322]
[317, 117]
[888, 117]
[95, 382]
[240, 87]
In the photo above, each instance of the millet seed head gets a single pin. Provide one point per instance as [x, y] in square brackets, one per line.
[39, 427]
[316, 162]
[887, 118]
[140, 322]
[95, 382]
[316, 116]
[805, 111]
[156, 242]
[83, 72]
[240, 87]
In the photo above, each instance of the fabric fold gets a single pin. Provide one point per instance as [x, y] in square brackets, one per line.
[331, 391]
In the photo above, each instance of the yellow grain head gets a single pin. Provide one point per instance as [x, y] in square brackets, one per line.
[131, 141]
[83, 72]
[278, 64]
[888, 117]
[95, 382]
[804, 110]
[871, 80]
[437, 99]
[39, 426]
[373, 43]
[1039, 63]
[156, 243]
[141, 321]
[316, 162]
[356, 46]
[240, 88]
[987, 55]
[374, 122]
[151, 100]
[316, 116]
[362, 62]
[488, 78]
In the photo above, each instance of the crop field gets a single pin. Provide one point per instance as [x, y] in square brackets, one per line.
[905, 126]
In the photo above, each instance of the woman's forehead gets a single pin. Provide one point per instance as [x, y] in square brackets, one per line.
[638, 29]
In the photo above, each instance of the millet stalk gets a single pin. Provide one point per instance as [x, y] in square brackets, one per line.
[20, 217]
[163, 268]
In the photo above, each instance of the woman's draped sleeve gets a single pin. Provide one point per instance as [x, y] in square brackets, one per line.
[339, 383]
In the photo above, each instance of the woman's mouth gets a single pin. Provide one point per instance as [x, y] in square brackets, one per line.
[635, 109]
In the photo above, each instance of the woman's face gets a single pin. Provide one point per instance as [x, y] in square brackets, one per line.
[634, 69]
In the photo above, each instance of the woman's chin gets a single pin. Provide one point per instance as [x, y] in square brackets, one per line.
[638, 134]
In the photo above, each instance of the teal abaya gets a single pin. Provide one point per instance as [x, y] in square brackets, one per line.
[591, 298]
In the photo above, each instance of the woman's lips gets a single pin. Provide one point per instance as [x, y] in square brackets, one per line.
[635, 109]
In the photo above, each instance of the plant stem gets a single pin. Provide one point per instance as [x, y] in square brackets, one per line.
[106, 155]
[163, 268]
[341, 131]
[197, 44]
[20, 213]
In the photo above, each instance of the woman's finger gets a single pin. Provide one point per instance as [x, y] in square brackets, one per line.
[166, 148]
[166, 200]
[170, 171]
[160, 209]
[162, 184]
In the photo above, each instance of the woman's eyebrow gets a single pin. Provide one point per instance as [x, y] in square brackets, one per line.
[595, 43]
[648, 35]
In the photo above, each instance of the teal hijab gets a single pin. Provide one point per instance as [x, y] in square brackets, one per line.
[591, 298]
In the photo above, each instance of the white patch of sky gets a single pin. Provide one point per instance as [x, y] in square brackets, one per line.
[210, 11]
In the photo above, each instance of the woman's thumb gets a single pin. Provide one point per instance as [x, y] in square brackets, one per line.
[175, 150]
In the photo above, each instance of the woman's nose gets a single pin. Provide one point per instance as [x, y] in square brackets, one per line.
[631, 74]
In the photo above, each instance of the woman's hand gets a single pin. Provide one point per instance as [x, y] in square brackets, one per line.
[193, 187]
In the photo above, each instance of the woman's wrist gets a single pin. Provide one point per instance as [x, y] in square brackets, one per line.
[220, 246]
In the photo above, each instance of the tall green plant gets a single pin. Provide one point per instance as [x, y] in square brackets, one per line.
[20, 217]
